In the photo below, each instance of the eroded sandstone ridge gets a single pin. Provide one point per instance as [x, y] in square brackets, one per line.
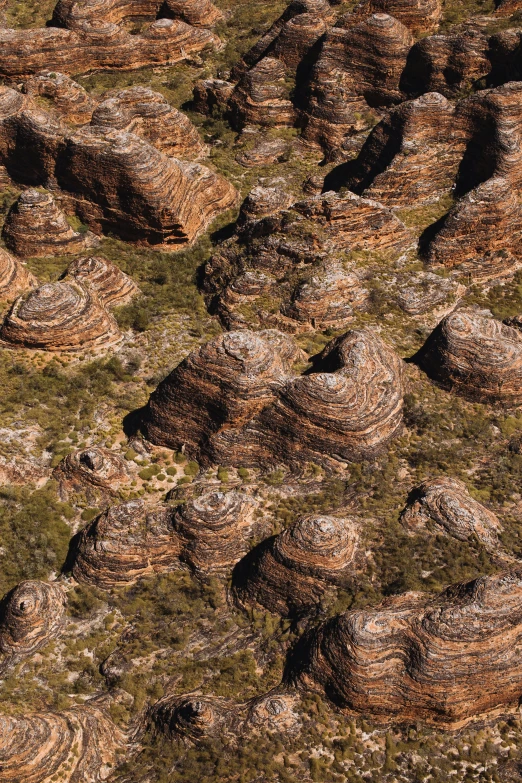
[95, 467]
[473, 354]
[416, 656]
[234, 401]
[112, 286]
[32, 615]
[62, 316]
[126, 542]
[80, 743]
[445, 504]
[290, 573]
[14, 277]
[35, 226]
[66, 97]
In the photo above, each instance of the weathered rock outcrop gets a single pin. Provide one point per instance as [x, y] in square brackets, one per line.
[234, 402]
[419, 16]
[35, 226]
[265, 153]
[149, 115]
[262, 97]
[444, 659]
[359, 68]
[481, 234]
[113, 287]
[214, 530]
[288, 267]
[426, 292]
[73, 14]
[412, 156]
[63, 316]
[98, 45]
[473, 354]
[80, 743]
[14, 277]
[94, 467]
[445, 504]
[66, 97]
[124, 543]
[31, 615]
[291, 572]
[199, 13]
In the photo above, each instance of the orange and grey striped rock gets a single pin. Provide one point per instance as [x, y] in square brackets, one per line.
[80, 743]
[73, 13]
[419, 16]
[93, 467]
[14, 277]
[125, 543]
[262, 97]
[112, 286]
[31, 615]
[290, 573]
[149, 115]
[198, 13]
[215, 529]
[444, 504]
[63, 316]
[35, 226]
[473, 354]
[68, 99]
[443, 659]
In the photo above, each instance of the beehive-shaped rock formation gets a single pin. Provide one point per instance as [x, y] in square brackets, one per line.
[412, 156]
[473, 354]
[262, 97]
[199, 13]
[290, 573]
[224, 383]
[193, 717]
[14, 277]
[419, 16]
[63, 316]
[35, 226]
[31, 615]
[124, 543]
[445, 504]
[112, 286]
[67, 98]
[481, 234]
[73, 14]
[134, 189]
[359, 67]
[443, 659]
[214, 529]
[148, 114]
[94, 467]
[80, 743]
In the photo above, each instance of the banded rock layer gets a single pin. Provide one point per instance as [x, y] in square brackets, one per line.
[32, 614]
[235, 402]
[73, 14]
[80, 743]
[445, 504]
[68, 99]
[63, 316]
[444, 659]
[112, 286]
[94, 467]
[14, 277]
[419, 16]
[35, 226]
[290, 573]
[473, 354]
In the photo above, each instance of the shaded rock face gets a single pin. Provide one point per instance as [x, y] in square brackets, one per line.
[14, 277]
[112, 286]
[78, 744]
[481, 234]
[290, 573]
[32, 615]
[412, 156]
[148, 114]
[68, 99]
[287, 267]
[125, 543]
[419, 16]
[63, 316]
[473, 354]
[214, 530]
[443, 659]
[235, 402]
[94, 467]
[444, 504]
[359, 67]
[98, 45]
[35, 226]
